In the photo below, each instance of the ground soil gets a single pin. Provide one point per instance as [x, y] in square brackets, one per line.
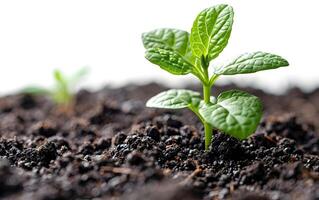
[109, 146]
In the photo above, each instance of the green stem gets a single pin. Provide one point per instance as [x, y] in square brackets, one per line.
[208, 135]
[206, 92]
[207, 127]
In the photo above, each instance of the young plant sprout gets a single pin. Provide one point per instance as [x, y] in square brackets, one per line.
[233, 112]
[63, 91]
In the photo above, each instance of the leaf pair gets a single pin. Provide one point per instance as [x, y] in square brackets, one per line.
[180, 53]
[177, 51]
[234, 112]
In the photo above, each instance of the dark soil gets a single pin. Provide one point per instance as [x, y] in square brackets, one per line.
[109, 146]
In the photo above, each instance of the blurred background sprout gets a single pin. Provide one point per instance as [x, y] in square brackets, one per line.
[64, 88]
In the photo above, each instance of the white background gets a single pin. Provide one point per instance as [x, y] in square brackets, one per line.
[39, 36]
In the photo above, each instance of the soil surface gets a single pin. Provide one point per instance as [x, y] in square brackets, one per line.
[109, 146]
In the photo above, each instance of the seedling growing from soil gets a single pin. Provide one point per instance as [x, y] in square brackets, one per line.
[63, 91]
[233, 112]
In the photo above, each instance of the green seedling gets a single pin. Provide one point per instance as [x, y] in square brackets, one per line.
[233, 112]
[64, 88]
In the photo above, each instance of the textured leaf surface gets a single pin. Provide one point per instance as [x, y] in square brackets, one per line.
[169, 61]
[174, 99]
[236, 113]
[252, 62]
[170, 39]
[211, 31]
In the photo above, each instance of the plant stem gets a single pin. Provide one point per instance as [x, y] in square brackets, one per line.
[207, 126]
[206, 93]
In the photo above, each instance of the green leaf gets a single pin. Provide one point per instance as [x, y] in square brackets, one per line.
[35, 90]
[61, 92]
[252, 62]
[170, 49]
[58, 76]
[236, 113]
[175, 99]
[79, 75]
[170, 39]
[61, 83]
[169, 61]
[165, 38]
[211, 31]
